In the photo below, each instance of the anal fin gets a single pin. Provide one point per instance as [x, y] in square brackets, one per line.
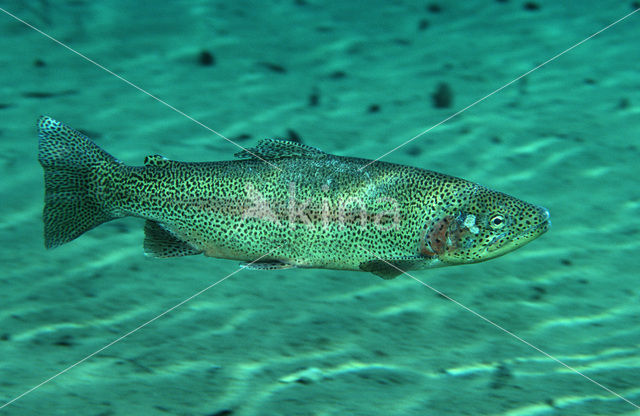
[160, 242]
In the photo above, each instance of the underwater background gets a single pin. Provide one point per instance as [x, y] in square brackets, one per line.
[354, 78]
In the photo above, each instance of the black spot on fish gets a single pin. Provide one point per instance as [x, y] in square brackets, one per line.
[566, 262]
[434, 8]
[423, 24]
[39, 63]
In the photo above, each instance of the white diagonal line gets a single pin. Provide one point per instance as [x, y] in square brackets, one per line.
[500, 89]
[504, 330]
[137, 87]
[132, 331]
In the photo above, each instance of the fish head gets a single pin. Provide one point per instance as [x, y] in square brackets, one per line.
[482, 224]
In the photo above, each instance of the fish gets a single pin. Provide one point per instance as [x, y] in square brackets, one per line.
[281, 205]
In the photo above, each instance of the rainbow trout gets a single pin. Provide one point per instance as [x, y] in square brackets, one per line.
[283, 204]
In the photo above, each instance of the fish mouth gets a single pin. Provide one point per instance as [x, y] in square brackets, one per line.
[526, 236]
[543, 226]
[446, 236]
[538, 229]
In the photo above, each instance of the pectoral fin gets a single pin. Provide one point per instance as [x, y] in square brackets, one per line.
[391, 268]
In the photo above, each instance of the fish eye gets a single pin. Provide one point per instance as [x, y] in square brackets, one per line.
[497, 221]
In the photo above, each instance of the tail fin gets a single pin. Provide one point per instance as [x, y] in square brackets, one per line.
[73, 165]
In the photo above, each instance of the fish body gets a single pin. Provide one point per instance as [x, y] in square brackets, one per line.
[284, 203]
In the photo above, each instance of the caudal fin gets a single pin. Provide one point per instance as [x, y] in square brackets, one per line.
[73, 166]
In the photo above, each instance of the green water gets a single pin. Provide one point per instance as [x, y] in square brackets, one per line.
[353, 78]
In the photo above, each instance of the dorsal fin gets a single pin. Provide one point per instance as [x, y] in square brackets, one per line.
[269, 149]
[156, 160]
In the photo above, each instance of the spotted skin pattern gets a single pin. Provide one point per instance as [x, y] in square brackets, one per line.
[306, 208]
